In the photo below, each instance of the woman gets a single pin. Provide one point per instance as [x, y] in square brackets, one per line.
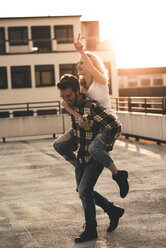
[94, 83]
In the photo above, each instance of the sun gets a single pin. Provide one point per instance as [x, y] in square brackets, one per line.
[139, 38]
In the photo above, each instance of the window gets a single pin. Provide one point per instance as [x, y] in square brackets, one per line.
[3, 78]
[44, 75]
[2, 40]
[145, 82]
[91, 34]
[63, 34]
[21, 76]
[157, 81]
[18, 36]
[132, 84]
[41, 38]
[68, 68]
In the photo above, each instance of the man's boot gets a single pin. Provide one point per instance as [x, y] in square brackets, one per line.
[121, 179]
[87, 235]
[114, 214]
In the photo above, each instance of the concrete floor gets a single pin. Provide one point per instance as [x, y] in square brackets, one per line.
[39, 206]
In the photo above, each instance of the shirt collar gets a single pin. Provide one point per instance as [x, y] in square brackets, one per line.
[82, 100]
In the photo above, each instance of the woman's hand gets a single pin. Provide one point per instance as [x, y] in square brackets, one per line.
[70, 110]
[78, 45]
[64, 104]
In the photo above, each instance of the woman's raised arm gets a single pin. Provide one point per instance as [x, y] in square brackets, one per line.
[96, 74]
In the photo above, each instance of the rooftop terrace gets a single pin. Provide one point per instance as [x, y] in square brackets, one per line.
[39, 206]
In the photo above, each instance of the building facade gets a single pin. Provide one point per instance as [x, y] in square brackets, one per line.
[36, 51]
[149, 82]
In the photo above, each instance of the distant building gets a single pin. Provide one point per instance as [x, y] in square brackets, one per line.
[36, 51]
[142, 82]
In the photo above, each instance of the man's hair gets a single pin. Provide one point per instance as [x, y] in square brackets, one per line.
[68, 81]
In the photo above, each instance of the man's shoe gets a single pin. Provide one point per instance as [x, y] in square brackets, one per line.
[121, 179]
[114, 214]
[87, 235]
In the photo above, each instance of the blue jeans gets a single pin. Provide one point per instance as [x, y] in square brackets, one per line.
[86, 178]
[97, 149]
[63, 145]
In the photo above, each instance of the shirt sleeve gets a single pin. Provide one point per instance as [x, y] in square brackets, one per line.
[103, 117]
[74, 129]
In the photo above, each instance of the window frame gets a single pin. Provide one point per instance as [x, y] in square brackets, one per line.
[41, 38]
[156, 80]
[132, 84]
[2, 41]
[72, 70]
[67, 29]
[45, 68]
[27, 76]
[3, 70]
[22, 41]
[145, 82]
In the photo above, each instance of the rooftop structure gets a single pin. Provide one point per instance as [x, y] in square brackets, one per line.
[36, 51]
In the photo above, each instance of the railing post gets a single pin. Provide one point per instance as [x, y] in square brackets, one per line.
[117, 104]
[164, 105]
[27, 106]
[129, 105]
[145, 105]
[59, 106]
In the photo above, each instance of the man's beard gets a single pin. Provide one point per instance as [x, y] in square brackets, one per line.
[74, 103]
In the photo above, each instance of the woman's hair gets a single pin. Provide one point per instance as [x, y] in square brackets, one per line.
[97, 62]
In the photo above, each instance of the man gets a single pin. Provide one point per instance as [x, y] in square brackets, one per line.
[87, 170]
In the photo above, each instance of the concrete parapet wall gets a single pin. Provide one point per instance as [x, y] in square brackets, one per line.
[137, 124]
[67, 122]
[164, 127]
[31, 125]
[151, 126]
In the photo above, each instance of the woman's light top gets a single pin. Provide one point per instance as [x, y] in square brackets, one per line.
[100, 93]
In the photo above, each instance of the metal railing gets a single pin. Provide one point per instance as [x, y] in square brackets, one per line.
[29, 109]
[156, 105]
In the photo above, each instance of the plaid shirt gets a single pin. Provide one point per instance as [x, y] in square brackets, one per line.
[99, 119]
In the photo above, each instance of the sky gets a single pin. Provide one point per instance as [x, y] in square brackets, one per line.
[137, 27]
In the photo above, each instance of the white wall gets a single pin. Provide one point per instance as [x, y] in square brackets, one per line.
[45, 93]
[66, 54]
[31, 125]
[145, 125]
[34, 94]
